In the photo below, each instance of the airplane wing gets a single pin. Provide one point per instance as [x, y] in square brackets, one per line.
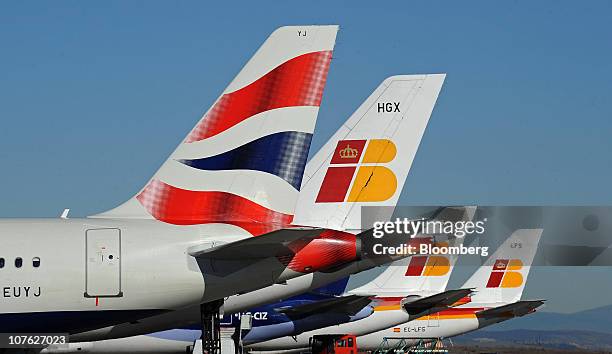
[349, 305]
[271, 244]
[516, 309]
[441, 300]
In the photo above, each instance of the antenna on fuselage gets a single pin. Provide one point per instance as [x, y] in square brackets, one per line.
[65, 214]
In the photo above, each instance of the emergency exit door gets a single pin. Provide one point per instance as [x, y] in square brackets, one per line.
[103, 263]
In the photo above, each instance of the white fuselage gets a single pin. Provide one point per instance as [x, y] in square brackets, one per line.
[94, 272]
[444, 324]
[421, 329]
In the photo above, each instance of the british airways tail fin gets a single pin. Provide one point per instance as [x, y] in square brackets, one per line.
[502, 278]
[243, 162]
[367, 161]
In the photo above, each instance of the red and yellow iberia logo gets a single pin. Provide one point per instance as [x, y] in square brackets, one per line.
[504, 274]
[371, 183]
[428, 265]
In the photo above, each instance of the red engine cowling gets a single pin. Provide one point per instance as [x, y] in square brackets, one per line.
[329, 250]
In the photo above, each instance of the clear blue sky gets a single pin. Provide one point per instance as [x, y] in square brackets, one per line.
[95, 95]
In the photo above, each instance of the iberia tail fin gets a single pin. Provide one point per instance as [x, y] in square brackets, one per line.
[421, 273]
[367, 161]
[502, 278]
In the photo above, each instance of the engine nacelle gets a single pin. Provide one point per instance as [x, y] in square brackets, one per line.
[329, 250]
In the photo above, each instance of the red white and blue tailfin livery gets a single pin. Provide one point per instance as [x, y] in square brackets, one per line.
[243, 162]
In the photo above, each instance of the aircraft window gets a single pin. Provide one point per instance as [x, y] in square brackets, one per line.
[18, 262]
[36, 262]
[1, 262]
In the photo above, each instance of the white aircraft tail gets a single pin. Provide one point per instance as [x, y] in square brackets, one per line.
[421, 273]
[367, 161]
[502, 278]
[243, 162]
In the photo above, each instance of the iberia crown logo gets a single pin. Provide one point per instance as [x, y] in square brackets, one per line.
[505, 274]
[348, 152]
[356, 173]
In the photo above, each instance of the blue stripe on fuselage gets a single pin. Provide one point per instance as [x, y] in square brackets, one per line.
[336, 288]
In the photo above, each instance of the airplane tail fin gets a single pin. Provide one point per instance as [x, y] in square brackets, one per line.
[367, 161]
[243, 162]
[418, 273]
[502, 278]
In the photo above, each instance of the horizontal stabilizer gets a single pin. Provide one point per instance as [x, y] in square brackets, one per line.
[271, 244]
[437, 301]
[516, 309]
[349, 305]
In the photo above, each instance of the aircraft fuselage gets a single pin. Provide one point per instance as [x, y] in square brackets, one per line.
[71, 275]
